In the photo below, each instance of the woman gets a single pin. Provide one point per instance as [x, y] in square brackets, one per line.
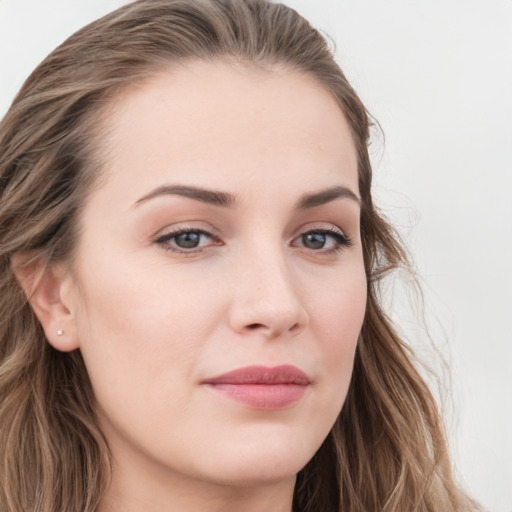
[190, 275]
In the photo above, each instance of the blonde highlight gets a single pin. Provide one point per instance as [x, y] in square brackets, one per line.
[387, 450]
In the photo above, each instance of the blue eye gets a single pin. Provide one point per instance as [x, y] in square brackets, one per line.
[325, 240]
[185, 240]
[314, 240]
[188, 240]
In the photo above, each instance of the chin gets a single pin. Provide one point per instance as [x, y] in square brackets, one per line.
[255, 474]
[268, 461]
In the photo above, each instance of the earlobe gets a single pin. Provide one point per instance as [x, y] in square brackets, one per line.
[45, 287]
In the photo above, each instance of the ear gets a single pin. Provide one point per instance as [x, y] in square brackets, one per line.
[48, 289]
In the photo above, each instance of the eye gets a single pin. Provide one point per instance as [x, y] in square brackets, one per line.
[323, 240]
[186, 240]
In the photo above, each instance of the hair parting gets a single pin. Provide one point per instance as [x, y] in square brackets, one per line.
[387, 450]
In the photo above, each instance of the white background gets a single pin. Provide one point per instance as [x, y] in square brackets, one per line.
[437, 75]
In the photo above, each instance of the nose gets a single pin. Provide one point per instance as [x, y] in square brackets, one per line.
[266, 299]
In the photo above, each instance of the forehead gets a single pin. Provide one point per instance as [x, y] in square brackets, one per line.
[220, 123]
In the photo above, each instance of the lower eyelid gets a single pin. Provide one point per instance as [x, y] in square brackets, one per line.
[338, 242]
[165, 240]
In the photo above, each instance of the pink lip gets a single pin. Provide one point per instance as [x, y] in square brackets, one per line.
[261, 387]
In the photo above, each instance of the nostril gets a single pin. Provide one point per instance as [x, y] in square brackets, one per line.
[253, 327]
[296, 327]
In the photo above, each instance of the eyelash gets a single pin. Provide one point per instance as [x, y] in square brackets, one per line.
[342, 241]
[164, 240]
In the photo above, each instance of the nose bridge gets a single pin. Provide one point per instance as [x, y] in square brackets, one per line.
[266, 296]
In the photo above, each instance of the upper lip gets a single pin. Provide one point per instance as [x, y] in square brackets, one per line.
[284, 374]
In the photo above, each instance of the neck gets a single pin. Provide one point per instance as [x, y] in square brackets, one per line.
[134, 488]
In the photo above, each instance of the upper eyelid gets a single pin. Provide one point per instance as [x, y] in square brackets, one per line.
[179, 228]
[164, 241]
[179, 231]
[333, 232]
[171, 234]
[210, 230]
[319, 226]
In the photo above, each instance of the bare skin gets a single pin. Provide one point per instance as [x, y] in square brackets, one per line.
[174, 286]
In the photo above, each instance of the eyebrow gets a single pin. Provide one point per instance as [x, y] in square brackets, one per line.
[326, 196]
[227, 200]
[212, 197]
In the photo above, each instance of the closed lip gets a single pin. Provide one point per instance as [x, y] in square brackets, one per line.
[261, 387]
[262, 375]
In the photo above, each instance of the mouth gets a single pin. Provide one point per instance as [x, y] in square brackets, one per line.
[261, 387]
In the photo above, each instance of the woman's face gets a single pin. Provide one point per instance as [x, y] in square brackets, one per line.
[219, 288]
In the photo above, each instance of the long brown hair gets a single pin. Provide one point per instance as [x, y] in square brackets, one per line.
[387, 450]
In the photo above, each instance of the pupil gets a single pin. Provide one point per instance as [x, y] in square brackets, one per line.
[188, 240]
[314, 240]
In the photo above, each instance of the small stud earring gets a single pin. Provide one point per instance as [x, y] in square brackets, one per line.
[60, 333]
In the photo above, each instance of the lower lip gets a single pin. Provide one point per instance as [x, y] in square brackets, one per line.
[262, 396]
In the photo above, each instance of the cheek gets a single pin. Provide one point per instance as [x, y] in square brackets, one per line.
[140, 301]
[338, 317]
[341, 304]
[137, 334]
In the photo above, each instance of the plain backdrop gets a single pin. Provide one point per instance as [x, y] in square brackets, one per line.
[437, 75]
